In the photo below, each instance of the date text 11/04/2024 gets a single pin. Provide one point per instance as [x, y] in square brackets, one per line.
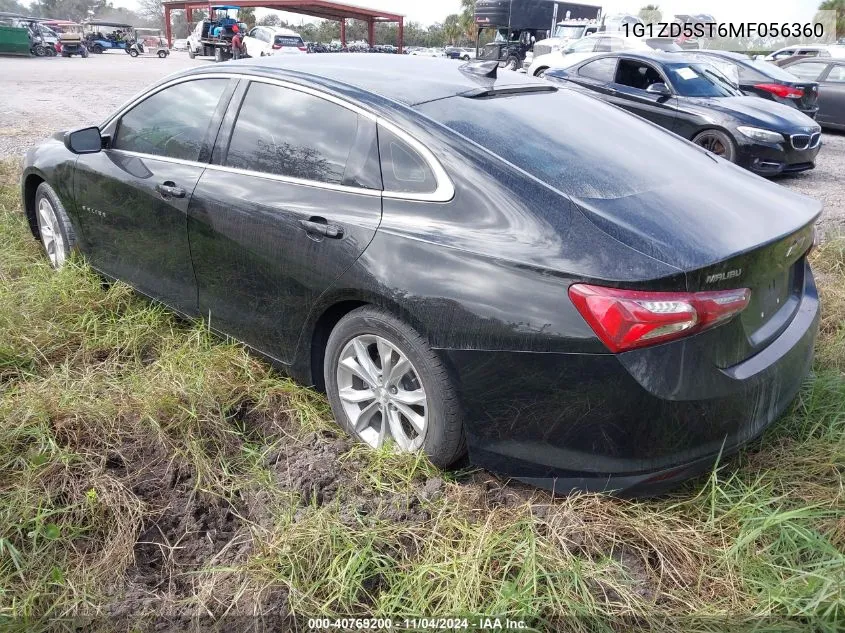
[712, 30]
[417, 624]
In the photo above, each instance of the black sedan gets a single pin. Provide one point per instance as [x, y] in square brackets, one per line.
[830, 74]
[577, 297]
[764, 79]
[697, 102]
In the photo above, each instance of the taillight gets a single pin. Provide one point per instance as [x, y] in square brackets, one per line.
[628, 319]
[784, 92]
[276, 47]
[303, 48]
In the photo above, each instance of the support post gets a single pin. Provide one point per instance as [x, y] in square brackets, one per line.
[189, 15]
[371, 33]
[343, 31]
[167, 31]
[401, 40]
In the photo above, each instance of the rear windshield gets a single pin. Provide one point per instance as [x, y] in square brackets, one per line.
[288, 40]
[700, 80]
[771, 70]
[577, 144]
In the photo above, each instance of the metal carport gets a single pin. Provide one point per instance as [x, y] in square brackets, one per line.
[327, 9]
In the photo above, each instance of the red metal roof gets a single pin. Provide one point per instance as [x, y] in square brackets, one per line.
[327, 9]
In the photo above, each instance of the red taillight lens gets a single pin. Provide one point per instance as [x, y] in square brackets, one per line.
[303, 48]
[276, 46]
[785, 92]
[627, 319]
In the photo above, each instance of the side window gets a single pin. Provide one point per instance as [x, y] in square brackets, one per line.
[807, 70]
[403, 170]
[636, 74]
[253, 32]
[173, 122]
[586, 45]
[291, 133]
[836, 74]
[600, 70]
[604, 45]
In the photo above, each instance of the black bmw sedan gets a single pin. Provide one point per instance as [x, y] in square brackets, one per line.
[577, 297]
[697, 102]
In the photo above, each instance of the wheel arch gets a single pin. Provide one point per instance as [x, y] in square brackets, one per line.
[30, 188]
[540, 70]
[327, 315]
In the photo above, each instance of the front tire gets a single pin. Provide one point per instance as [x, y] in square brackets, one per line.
[191, 53]
[384, 382]
[162, 54]
[133, 52]
[717, 142]
[54, 228]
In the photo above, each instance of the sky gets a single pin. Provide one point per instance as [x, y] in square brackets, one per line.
[429, 11]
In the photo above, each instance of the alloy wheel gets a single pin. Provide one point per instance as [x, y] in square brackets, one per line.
[381, 393]
[48, 226]
[714, 144]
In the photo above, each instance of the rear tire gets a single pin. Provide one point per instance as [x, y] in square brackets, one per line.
[191, 53]
[716, 142]
[133, 52]
[423, 390]
[162, 54]
[55, 231]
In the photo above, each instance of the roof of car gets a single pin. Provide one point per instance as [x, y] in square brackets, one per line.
[406, 79]
[740, 57]
[663, 57]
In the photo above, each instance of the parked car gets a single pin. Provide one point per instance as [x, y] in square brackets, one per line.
[272, 40]
[830, 75]
[694, 100]
[454, 52]
[586, 47]
[763, 79]
[612, 311]
[782, 55]
[180, 45]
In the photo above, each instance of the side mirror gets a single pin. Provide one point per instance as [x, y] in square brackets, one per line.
[659, 88]
[86, 140]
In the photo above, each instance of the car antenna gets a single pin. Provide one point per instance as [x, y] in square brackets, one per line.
[484, 68]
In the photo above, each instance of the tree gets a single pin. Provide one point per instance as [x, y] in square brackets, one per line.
[452, 30]
[839, 7]
[13, 6]
[467, 19]
[271, 19]
[247, 16]
[650, 14]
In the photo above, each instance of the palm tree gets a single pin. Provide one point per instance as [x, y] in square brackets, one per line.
[467, 19]
[452, 28]
[839, 7]
[650, 13]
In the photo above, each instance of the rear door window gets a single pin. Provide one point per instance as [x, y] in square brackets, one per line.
[636, 74]
[173, 122]
[836, 74]
[602, 70]
[287, 132]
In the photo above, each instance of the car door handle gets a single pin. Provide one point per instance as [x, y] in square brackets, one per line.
[168, 189]
[321, 227]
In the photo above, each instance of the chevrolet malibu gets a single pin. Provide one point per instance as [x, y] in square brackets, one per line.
[575, 296]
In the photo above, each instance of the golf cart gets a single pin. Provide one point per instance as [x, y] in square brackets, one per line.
[70, 37]
[102, 36]
[42, 40]
[150, 42]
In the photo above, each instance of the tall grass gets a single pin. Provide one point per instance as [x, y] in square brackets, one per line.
[147, 467]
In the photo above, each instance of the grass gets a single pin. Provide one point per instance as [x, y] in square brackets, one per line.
[148, 468]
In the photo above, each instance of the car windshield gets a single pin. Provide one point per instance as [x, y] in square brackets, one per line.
[700, 80]
[288, 40]
[570, 32]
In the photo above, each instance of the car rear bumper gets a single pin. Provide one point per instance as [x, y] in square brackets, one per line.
[636, 423]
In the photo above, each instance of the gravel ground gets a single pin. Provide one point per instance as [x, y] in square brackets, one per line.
[42, 95]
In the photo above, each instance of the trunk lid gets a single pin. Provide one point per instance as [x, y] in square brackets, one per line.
[738, 231]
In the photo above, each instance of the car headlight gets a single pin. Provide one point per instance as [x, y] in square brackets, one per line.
[759, 134]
